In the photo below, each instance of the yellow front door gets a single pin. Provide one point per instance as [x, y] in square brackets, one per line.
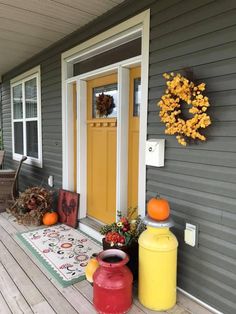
[101, 148]
[134, 106]
[101, 152]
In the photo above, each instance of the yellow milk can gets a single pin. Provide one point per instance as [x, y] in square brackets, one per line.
[157, 265]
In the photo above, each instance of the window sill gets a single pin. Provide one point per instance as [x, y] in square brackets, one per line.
[29, 161]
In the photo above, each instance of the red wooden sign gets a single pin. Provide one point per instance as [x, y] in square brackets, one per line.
[68, 204]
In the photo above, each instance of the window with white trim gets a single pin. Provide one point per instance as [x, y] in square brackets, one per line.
[26, 117]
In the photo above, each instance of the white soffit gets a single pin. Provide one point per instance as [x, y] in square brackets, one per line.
[28, 27]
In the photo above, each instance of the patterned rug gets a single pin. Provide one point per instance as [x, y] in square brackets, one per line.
[64, 251]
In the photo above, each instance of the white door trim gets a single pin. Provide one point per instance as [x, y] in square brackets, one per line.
[143, 115]
[82, 145]
[140, 22]
[122, 140]
[121, 30]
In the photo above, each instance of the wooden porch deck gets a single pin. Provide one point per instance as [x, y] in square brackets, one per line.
[27, 288]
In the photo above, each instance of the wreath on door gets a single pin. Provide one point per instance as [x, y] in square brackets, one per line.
[179, 90]
[104, 104]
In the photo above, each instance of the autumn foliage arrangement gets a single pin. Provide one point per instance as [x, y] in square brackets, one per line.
[31, 205]
[179, 90]
[123, 232]
[104, 104]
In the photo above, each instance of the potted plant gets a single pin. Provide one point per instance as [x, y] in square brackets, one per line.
[124, 235]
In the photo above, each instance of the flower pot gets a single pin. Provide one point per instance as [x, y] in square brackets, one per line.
[131, 250]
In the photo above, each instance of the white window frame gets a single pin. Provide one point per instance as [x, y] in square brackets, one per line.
[21, 80]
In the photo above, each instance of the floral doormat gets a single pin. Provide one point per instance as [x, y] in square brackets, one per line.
[64, 251]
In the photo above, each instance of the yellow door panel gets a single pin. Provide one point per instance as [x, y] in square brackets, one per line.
[111, 176]
[101, 159]
[135, 74]
[96, 170]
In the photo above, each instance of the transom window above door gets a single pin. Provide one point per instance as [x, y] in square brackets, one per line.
[26, 118]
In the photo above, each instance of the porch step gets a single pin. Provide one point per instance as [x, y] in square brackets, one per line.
[95, 225]
[91, 228]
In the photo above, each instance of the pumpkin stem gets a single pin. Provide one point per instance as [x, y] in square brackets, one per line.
[158, 195]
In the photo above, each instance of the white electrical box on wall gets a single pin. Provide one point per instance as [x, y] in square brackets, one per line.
[50, 181]
[190, 234]
[155, 152]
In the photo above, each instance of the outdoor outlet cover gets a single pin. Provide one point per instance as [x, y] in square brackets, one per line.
[50, 181]
[190, 234]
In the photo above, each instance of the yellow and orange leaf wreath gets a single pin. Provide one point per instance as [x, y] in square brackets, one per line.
[180, 89]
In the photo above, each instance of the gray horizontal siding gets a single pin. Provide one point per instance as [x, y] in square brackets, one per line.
[51, 128]
[199, 180]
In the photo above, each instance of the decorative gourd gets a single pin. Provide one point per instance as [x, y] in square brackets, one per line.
[158, 208]
[50, 218]
[91, 268]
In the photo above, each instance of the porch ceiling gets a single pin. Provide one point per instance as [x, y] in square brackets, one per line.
[27, 27]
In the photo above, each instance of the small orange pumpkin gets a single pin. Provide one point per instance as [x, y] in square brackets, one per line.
[91, 268]
[158, 208]
[50, 218]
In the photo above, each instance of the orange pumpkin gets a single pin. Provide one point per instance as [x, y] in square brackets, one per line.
[50, 218]
[158, 208]
[91, 268]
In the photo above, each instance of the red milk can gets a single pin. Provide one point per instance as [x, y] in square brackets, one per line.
[112, 283]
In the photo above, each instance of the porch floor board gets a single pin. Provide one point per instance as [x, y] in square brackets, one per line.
[26, 288]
